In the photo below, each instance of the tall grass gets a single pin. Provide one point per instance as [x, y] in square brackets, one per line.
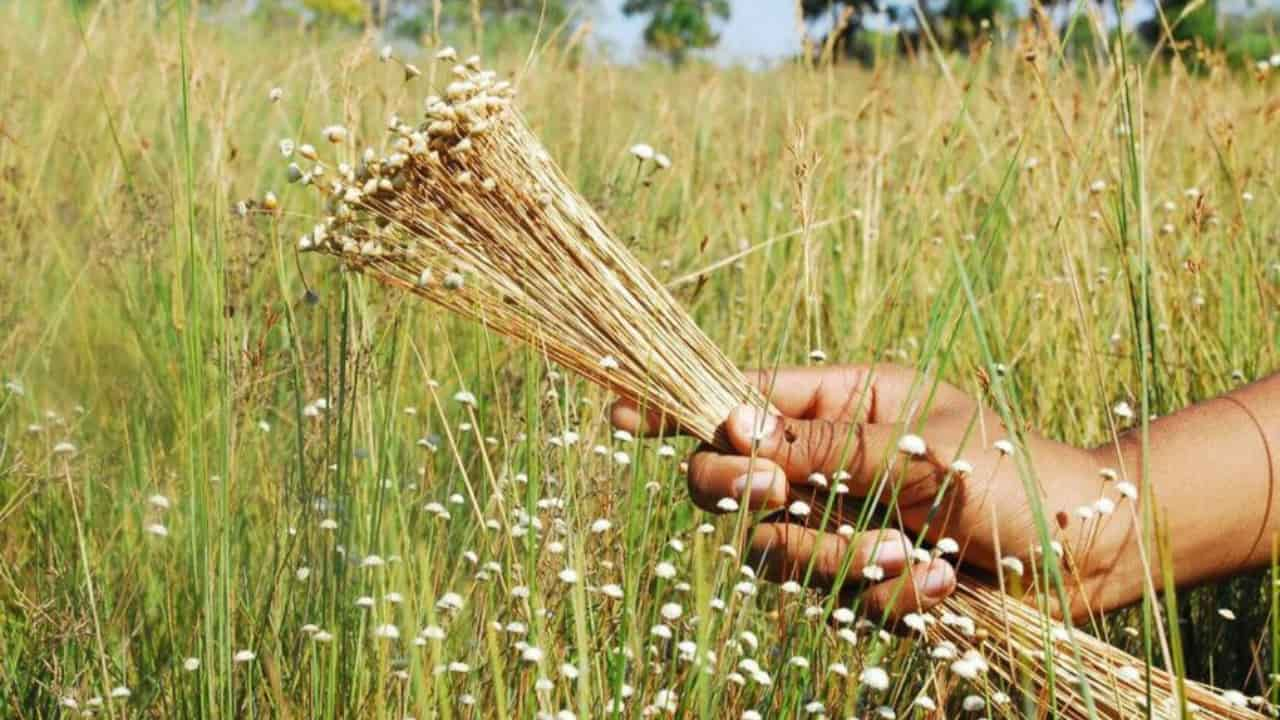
[176, 346]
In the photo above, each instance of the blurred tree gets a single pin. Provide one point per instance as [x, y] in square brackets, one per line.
[1187, 27]
[678, 26]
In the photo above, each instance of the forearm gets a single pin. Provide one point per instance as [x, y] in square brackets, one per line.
[1210, 474]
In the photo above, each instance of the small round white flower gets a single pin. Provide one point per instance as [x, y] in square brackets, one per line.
[191, 664]
[875, 678]
[642, 151]
[243, 656]
[1012, 564]
[568, 576]
[912, 445]
[1004, 447]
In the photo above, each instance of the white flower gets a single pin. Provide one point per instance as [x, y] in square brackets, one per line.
[372, 561]
[925, 703]
[450, 601]
[666, 451]
[1108, 474]
[433, 632]
[569, 671]
[464, 397]
[873, 572]
[842, 615]
[912, 445]
[965, 668]
[1004, 447]
[661, 631]
[751, 715]
[460, 668]
[121, 692]
[745, 588]
[334, 134]
[1235, 698]
[243, 656]
[364, 601]
[665, 570]
[961, 467]
[1012, 564]
[388, 631]
[609, 362]
[746, 637]
[1227, 613]
[671, 611]
[915, 621]
[1123, 410]
[791, 587]
[839, 668]
[264, 426]
[323, 636]
[159, 502]
[1127, 489]
[642, 151]
[1104, 506]
[302, 573]
[157, 529]
[532, 654]
[1097, 186]
[191, 664]
[601, 526]
[621, 458]
[275, 95]
[612, 590]
[64, 448]
[328, 524]
[973, 703]
[568, 576]
[727, 504]
[947, 546]
[394, 598]
[799, 508]
[799, 662]
[875, 678]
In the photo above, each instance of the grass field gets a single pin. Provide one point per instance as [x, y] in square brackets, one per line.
[197, 460]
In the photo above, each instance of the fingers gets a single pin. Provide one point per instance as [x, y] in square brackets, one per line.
[922, 587]
[852, 393]
[782, 552]
[801, 448]
[715, 477]
[881, 558]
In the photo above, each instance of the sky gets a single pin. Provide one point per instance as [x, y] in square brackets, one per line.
[763, 30]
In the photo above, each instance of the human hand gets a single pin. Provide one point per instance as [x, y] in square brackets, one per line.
[846, 425]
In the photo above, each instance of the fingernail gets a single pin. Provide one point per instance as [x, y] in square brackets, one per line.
[890, 555]
[939, 580]
[756, 423]
[756, 487]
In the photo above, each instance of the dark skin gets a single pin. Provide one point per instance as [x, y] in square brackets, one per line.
[1217, 501]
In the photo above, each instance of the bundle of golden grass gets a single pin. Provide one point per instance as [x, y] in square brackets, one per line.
[467, 210]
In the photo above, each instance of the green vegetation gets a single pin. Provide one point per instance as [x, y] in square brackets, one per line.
[208, 444]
